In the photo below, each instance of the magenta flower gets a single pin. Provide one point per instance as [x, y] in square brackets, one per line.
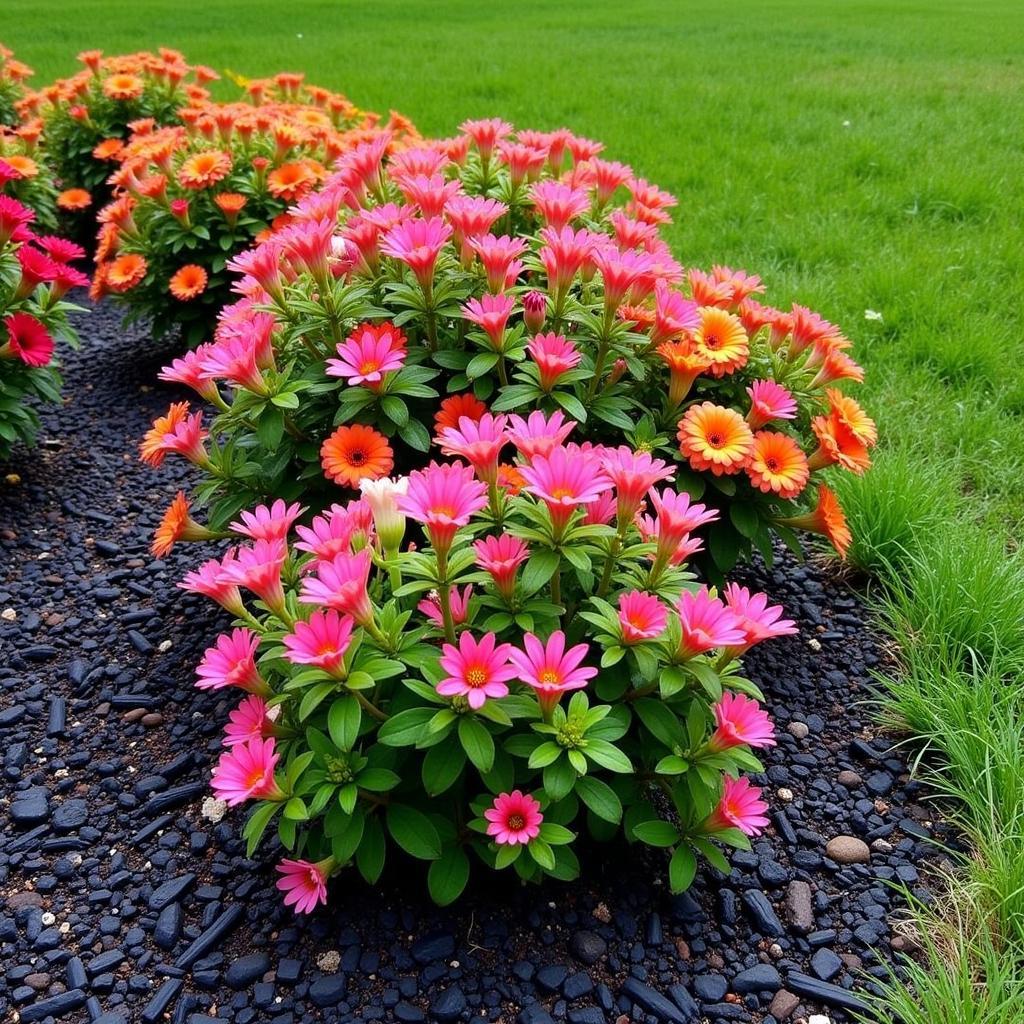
[469, 217]
[535, 309]
[443, 497]
[306, 245]
[187, 370]
[624, 273]
[258, 568]
[341, 584]
[524, 162]
[674, 315]
[740, 720]
[758, 620]
[231, 661]
[321, 641]
[27, 340]
[479, 442]
[209, 581]
[706, 624]
[246, 772]
[538, 434]
[564, 481]
[418, 160]
[341, 529]
[303, 883]
[633, 474]
[486, 134]
[602, 511]
[558, 203]
[554, 355]
[477, 669]
[501, 557]
[417, 244]
[458, 603]
[769, 401]
[608, 176]
[550, 669]
[641, 617]
[248, 721]
[513, 818]
[268, 523]
[676, 518]
[233, 358]
[499, 256]
[491, 312]
[430, 192]
[369, 353]
[740, 807]
[563, 255]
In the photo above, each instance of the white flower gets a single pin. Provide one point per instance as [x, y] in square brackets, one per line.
[872, 314]
[380, 496]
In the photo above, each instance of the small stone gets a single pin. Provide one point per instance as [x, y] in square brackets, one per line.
[329, 962]
[881, 846]
[799, 730]
[30, 807]
[851, 780]
[153, 719]
[328, 991]
[448, 1005]
[785, 795]
[602, 913]
[825, 964]
[70, 815]
[246, 970]
[799, 909]
[783, 1004]
[848, 850]
[710, 988]
[587, 947]
[759, 978]
[213, 809]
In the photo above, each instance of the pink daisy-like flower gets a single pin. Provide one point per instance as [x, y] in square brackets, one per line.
[479, 442]
[758, 620]
[246, 772]
[430, 192]
[550, 669]
[706, 624]
[477, 669]
[321, 641]
[187, 370]
[417, 244]
[676, 518]
[633, 474]
[458, 603]
[769, 401]
[641, 617]
[563, 255]
[443, 497]
[501, 556]
[469, 217]
[341, 584]
[27, 340]
[233, 358]
[369, 353]
[555, 356]
[268, 522]
[342, 528]
[740, 720]
[486, 134]
[499, 256]
[674, 315]
[564, 481]
[491, 312]
[231, 661]
[538, 434]
[513, 818]
[740, 807]
[558, 203]
[209, 581]
[602, 511]
[303, 883]
[258, 568]
[248, 721]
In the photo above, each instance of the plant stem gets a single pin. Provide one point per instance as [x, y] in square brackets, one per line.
[370, 708]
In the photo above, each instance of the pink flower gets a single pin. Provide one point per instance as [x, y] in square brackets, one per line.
[430, 192]
[674, 315]
[458, 604]
[209, 581]
[554, 355]
[513, 818]
[641, 617]
[740, 720]
[499, 258]
[442, 498]
[233, 358]
[476, 669]
[608, 176]
[341, 528]
[27, 340]
[231, 661]
[258, 568]
[769, 401]
[563, 254]
[602, 511]
[417, 243]
[501, 556]
[246, 772]
[758, 620]
[14, 217]
[303, 883]
[623, 273]
[469, 217]
[535, 308]
[564, 481]
[479, 442]
[706, 624]
[550, 669]
[321, 641]
[268, 523]
[538, 434]
[558, 203]
[491, 312]
[633, 474]
[525, 162]
[187, 370]
[740, 807]
[486, 134]
[676, 519]
[248, 721]
[341, 584]
[306, 245]
[420, 160]
[367, 354]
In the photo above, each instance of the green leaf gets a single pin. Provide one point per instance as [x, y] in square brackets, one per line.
[539, 569]
[442, 766]
[555, 834]
[372, 850]
[295, 809]
[559, 777]
[656, 833]
[477, 742]
[542, 853]
[545, 754]
[343, 721]
[313, 697]
[745, 518]
[507, 854]
[608, 756]
[448, 875]
[415, 435]
[660, 721]
[406, 728]
[600, 798]
[413, 831]
[396, 410]
[270, 428]
[681, 869]
[257, 825]
[571, 404]
[481, 364]
[378, 780]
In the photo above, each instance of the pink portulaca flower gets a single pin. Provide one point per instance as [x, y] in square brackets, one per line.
[491, 313]
[246, 772]
[233, 358]
[268, 522]
[304, 883]
[368, 354]
[27, 340]
[501, 557]
[563, 255]
[209, 581]
[443, 497]
[417, 244]
[769, 401]
[486, 134]
[558, 203]
[187, 370]
[641, 617]
[499, 256]
[740, 807]
[550, 669]
[430, 192]
[676, 517]
[538, 434]
[513, 818]
[471, 216]
[342, 529]
[250, 720]
[321, 641]
[706, 624]
[674, 316]
[740, 720]
[565, 481]
[341, 584]
[633, 474]
[758, 620]
[555, 356]
[258, 568]
[477, 669]
[458, 604]
[479, 442]
[231, 661]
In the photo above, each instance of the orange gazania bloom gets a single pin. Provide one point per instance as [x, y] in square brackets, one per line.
[230, 203]
[125, 272]
[123, 87]
[151, 449]
[107, 149]
[721, 338]
[510, 479]
[778, 464]
[201, 170]
[685, 365]
[452, 409]
[74, 199]
[291, 181]
[847, 411]
[188, 282]
[354, 453]
[25, 166]
[715, 438]
[837, 446]
[828, 519]
[176, 525]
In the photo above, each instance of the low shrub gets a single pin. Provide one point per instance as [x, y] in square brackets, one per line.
[25, 173]
[13, 75]
[35, 275]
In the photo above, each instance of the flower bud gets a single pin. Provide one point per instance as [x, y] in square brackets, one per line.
[389, 523]
[535, 307]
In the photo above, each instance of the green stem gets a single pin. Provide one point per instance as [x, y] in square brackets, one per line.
[444, 597]
[556, 585]
[371, 709]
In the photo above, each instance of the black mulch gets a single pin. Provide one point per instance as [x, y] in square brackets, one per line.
[119, 901]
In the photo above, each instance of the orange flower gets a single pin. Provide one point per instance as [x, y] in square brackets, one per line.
[74, 199]
[25, 166]
[230, 204]
[201, 170]
[151, 449]
[837, 446]
[777, 464]
[123, 87]
[188, 282]
[454, 408]
[684, 367]
[510, 479]
[847, 411]
[715, 438]
[355, 453]
[125, 272]
[176, 525]
[828, 519]
[722, 340]
[291, 181]
[107, 149]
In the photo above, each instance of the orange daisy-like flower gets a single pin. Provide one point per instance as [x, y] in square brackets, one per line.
[176, 525]
[837, 446]
[108, 149]
[722, 340]
[510, 479]
[778, 464]
[847, 411]
[354, 453]
[230, 203]
[188, 282]
[715, 438]
[125, 272]
[452, 409]
[25, 166]
[151, 449]
[684, 366]
[827, 519]
[123, 87]
[74, 199]
[291, 181]
[201, 170]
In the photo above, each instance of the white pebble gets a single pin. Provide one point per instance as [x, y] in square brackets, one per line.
[213, 809]
[47, 918]
[329, 961]
[164, 646]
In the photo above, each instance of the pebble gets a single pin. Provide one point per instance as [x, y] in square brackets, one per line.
[799, 730]
[799, 908]
[848, 850]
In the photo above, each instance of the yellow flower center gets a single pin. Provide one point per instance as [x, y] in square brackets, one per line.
[476, 677]
[516, 823]
[549, 677]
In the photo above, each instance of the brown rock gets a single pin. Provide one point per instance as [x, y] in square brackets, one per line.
[37, 982]
[135, 714]
[798, 729]
[783, 1004]
[25, 898]
[682, 949]
[154, 718]
[851, 780]
[848, 850]
[799, 909]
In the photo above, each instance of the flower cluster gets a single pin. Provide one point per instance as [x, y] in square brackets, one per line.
[518, 272]
[13, 74]
[498, 651]
[35, 275]
[188, 196]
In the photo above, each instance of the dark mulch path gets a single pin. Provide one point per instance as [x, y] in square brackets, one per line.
[120, 901]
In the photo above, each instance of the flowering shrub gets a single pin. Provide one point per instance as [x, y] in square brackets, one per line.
[35, 274]
[190, 196]
[13, 74]
[536, 664]
[513, 274]
[25, 173]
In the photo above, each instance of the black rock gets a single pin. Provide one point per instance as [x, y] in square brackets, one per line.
[55, 1006]
[246, 970]
[170, 891]
[825, 964]
[70, 815]
[588, 947]
[551, 977]
[167, 929]
[653, 1002]
[30, 807]
[447, 1005]
[328, 990]
[822, 992]
[436, 946]
[762, 914]
[759, 978]
[710, 988]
